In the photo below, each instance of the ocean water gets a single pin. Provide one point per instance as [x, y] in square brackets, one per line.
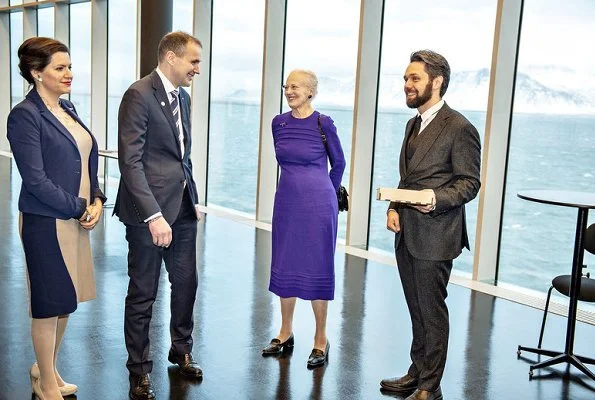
[546, 152]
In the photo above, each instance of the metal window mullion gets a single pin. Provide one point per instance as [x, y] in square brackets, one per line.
[271, 98]
[364, 122]
[201, 95]
[5, 93]
[99, 40]
[496, 140]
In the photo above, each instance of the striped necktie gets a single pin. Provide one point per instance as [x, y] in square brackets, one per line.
[175, 107]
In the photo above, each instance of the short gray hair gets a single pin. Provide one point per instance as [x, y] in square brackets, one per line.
[312, 80]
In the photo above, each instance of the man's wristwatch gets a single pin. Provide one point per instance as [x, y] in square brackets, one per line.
[154, 219]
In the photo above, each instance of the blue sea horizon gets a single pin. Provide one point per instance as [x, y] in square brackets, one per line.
[546, 152]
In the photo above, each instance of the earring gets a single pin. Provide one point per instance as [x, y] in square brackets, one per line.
[39, 78]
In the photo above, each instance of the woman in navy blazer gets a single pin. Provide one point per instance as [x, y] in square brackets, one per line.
[59, 203]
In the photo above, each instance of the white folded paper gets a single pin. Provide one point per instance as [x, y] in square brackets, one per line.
[418, 197]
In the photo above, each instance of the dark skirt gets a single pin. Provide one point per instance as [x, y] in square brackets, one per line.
[56, 252]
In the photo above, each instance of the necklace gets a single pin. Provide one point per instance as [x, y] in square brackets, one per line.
[59, 113]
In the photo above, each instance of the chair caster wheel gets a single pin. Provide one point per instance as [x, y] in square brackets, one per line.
[518, 353]
[530, 374]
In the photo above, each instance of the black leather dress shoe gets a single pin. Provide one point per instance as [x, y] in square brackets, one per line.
[188, 367]
[276, 347]
[141, 387]
[426, 395]
[318, 357]
[403, 385]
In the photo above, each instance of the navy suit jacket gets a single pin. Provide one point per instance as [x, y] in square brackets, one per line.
[153, 170]
[48, 160]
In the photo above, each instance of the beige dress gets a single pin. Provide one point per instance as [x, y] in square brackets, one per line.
[58, 252]
[73, 238]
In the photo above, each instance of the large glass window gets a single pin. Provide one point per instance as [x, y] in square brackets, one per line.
[16, 38]
[183, 11]
[80, 55]
[45, 22]
[121, 74]
[552, 140]
[182, 15]
[451, 28]
[322, 36]
[236, 76]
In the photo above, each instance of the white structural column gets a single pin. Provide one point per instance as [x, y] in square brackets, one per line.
[364, 122]
[29, 31]
[99, 17]
[62, 23]
[271, 98]
[29, 21]
[497, 134]
[201, 94]
[4, 74]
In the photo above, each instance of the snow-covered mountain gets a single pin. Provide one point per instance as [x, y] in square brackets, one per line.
[469, 91]
[551, 90]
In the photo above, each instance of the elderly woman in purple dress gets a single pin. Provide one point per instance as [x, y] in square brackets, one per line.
[305, 213]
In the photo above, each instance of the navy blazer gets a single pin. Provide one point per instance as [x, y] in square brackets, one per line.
[48, 160]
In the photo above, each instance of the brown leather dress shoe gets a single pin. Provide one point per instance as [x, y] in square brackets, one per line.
[403, 385]
[141, 387]
[188, 367]
[276, 347]
[318, 357]
[426, 395]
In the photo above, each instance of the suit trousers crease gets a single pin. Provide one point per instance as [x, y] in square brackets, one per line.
[144, 267]
[424, 285]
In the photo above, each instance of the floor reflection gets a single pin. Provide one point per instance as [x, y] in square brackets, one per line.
[235, 316]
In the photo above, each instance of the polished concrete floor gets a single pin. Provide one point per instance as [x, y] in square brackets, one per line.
[368, 326]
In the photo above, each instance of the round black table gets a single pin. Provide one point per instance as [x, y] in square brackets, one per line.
[583, 202]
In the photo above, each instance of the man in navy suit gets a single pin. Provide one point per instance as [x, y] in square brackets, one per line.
[441, 153]
[158, 202]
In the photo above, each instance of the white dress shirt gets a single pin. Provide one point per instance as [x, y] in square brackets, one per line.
[429, 115]
[169, 87]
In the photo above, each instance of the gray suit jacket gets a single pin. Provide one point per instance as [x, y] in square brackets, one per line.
[152, 168]
[447, 160]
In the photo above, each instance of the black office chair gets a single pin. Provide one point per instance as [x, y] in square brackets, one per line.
[562, 282]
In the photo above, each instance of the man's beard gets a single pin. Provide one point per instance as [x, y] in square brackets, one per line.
[422, 99]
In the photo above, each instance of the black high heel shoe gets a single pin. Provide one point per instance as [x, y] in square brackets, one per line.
[276, 347]
[318, 357]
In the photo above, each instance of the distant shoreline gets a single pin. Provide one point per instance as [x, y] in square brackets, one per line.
[394, 110]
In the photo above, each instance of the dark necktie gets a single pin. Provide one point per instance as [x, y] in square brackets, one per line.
[415, 130]
[416, 126]
[175, 107]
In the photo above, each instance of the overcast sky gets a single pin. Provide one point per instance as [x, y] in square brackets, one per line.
[323, 35]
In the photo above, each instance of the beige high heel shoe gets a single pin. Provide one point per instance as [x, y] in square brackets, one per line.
[66, 390]
[36, 387]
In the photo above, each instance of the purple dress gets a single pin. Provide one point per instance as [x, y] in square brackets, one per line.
[305, 212]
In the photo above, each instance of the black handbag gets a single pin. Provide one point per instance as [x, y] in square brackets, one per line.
[342, 195]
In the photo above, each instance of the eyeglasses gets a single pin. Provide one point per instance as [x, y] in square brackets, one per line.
[292, 87]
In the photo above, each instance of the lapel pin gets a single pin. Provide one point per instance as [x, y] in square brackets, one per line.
[162, 104]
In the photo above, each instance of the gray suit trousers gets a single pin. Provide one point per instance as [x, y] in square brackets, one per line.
[424, 285]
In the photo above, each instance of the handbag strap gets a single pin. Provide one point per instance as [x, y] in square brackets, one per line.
[322, 134]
